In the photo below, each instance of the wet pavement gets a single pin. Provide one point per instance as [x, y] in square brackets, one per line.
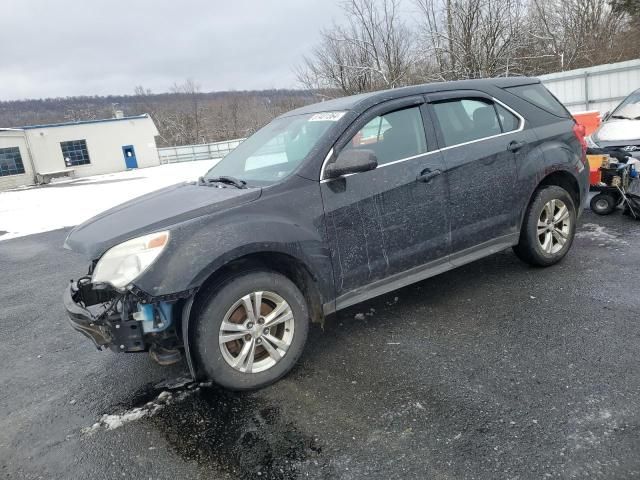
[493, 370]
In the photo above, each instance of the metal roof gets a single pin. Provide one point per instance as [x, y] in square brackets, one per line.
[79, 122]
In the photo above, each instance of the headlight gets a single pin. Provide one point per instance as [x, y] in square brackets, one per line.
[590, 142]
[125, 262]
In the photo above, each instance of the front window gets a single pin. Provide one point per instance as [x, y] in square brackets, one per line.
[393, 136]
[629, 108]
[75, 153]
[276, 150]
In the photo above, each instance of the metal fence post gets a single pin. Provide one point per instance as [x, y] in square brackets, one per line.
[586, 90]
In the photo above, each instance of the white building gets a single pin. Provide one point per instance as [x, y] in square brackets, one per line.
[35, 154]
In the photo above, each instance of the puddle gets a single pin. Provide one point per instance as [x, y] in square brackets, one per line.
[238, 433]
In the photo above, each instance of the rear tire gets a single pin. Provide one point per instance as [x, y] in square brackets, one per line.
[548, 228]
[603, 203]
[260, 348]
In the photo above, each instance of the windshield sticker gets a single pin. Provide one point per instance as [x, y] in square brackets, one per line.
[327, 117]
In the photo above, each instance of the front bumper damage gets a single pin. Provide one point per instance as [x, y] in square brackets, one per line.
[126, 321]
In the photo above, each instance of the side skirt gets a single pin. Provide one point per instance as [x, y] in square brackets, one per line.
[422, 272]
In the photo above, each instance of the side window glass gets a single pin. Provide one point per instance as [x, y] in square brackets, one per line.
[465, 120]
[508, 120]
[392, 136]
[538, 95]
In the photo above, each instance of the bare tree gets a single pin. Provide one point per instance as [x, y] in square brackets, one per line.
[578, 32]
[191, 90]
[371, 50]
[76, 114]
[471, 38]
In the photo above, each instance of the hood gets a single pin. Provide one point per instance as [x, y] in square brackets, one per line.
[619, 131]
[151, 212]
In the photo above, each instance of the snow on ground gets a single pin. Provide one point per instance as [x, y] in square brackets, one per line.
[70, 202]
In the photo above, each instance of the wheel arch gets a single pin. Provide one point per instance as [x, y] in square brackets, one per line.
[559, 178]
[285, 264]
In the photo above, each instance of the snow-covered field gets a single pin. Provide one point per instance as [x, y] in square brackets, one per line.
[70, 202]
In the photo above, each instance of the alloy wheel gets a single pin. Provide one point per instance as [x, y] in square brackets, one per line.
[256, 332]
[554, 226]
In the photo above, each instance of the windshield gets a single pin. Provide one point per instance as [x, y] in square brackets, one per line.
[629, 108]
[276, 150]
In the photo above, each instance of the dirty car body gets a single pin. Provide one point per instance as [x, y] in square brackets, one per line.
[435, 176]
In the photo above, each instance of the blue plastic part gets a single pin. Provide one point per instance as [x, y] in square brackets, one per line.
[146, 316]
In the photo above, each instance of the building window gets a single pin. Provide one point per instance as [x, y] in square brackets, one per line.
[75, 153]
[10, 162]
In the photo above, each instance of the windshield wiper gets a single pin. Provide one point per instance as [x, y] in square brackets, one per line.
[224, 179]
[622, 117]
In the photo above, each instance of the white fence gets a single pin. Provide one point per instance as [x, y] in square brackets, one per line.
[595, 88]
[204, 151]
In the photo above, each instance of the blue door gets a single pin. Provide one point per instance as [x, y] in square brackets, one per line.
[130, 156]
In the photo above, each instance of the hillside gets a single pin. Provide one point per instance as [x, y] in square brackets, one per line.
[183, 116]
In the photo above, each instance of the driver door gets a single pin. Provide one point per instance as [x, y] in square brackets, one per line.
[383, 222]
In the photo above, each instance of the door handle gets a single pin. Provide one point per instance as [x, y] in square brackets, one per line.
[427, 175]
[515, 146]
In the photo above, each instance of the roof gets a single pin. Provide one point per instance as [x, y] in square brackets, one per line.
[365, 100]
[80, 122]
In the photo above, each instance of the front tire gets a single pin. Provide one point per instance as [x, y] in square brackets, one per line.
[251, 330]
[548, 228]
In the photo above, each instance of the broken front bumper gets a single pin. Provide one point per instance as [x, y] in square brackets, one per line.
[102, 317]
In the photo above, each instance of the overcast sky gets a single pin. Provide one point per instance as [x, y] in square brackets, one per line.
[51, 48]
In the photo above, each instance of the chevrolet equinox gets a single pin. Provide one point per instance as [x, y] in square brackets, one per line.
[327, 206]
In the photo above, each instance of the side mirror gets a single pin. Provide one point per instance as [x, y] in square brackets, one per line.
[351, 161]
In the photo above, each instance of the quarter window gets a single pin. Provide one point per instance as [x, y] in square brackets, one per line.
[539, 96]
[75, 153]
[10, 162]
[393, 136]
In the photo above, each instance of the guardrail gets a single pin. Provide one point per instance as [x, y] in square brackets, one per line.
[203, 151]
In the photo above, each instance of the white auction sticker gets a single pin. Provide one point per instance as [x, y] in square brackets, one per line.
[327, 117]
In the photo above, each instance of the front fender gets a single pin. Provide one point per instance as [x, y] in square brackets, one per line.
[200, 248]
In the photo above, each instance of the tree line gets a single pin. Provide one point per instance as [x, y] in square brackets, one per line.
[375, 47]
[379, 44]
[185, 115]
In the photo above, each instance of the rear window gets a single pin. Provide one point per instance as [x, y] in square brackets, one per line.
[538, 95]
[465, 120]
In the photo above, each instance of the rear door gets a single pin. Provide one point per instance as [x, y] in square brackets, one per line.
[390, 219]
[480, 139]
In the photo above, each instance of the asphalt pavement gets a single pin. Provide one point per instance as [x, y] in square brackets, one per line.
[494, 370]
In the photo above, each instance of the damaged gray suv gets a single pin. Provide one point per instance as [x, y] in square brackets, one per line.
[327, 206]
